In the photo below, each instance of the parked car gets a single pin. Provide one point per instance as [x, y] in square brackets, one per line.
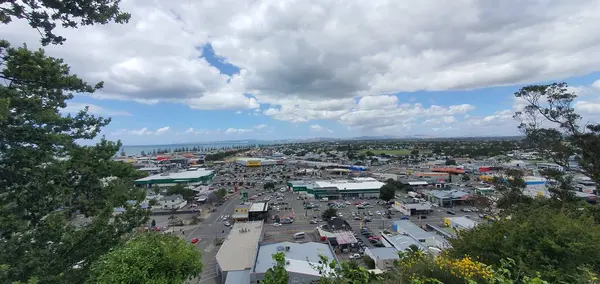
[227, 224]
[276, 224]
[450, 212]
[355, 256]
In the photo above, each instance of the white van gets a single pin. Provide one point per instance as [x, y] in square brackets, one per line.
[299, 235]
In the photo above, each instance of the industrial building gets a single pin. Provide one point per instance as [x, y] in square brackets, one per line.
[302, 260]
[236, 255]
[194, 176]
[257, 162]
[336, 189]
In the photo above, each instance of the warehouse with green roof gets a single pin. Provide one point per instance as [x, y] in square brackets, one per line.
[191, 177]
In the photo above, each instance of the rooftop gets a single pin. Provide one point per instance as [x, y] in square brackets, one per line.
[349, 184]
[300, 258]
[449, 194]
[173, 177]
[238, 250]
[237, 277]
[245, 159]
[258, 207]
[403, 242]
[384, 253]
[412, 229]
[463, 222]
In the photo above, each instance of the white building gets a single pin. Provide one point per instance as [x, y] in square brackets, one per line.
[175, 201]
[550, 166]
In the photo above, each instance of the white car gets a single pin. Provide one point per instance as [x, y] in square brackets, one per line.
[276, 224]
[355, 256]
[227, 224]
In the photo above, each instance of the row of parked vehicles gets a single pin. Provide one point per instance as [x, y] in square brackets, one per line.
[373, 239]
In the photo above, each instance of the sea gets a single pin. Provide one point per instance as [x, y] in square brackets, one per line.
[137, 150]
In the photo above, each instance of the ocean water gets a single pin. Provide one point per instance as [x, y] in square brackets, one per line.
[137, 150]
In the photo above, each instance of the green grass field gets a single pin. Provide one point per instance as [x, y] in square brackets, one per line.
[387, 152]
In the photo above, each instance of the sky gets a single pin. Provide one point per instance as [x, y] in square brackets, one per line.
[200, 71]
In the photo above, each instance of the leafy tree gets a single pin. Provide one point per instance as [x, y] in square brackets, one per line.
[186, 193]
[388, 191]
[268, 185]
[329, 212]
[450, 162]
[153, 223]
[369, 153]
[414, 152]
[46, 178]
[221, 193]
[42, 15]
[511, 188]
[277, 274]
[143, 154]
[466, 178]
[148, 258]
[560, 245]
[123, 154]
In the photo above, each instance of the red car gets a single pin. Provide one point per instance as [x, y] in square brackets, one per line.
[374, 238]
[195, 240]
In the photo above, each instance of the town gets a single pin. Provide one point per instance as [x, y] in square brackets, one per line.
[360, 201]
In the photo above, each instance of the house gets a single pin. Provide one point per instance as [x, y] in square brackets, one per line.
[174, 201]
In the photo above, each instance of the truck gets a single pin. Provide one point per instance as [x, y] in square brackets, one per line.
[324, 199]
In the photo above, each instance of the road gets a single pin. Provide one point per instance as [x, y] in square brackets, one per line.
[207, 232]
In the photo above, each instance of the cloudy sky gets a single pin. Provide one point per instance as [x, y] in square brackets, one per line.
[191, 71]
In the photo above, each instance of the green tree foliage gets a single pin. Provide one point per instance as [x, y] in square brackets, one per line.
[46, 178]
[561, 245]
[223, 155]
[388, 191]
[450, 162]
[42, 15]
[185, 192]
[221, 193]
[511, 188]
[277, 274]
[554, 129]
[268, 185]
[328, 213]
[148, 258]
[465, 178]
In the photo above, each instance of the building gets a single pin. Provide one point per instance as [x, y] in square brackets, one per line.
[240, 213]
[460, 223]
[301, 260]
[192, 177]
[258, 211]
[415, 208]
[336, 189]
[383, 257]
[175, 201]
[550, 166]
[236, 255]
[257, 162]
[447, 198]
[410, 229]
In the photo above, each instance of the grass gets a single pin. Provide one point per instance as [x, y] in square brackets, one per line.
[401, 152]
